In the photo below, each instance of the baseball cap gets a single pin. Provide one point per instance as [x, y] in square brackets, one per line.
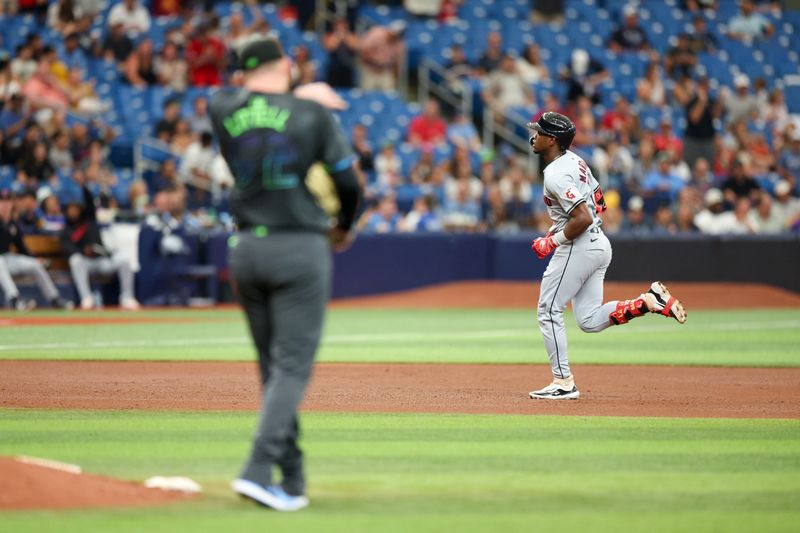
[635, 203]
[713, 196]
[741, 80]
[782, 187]
[258, 52]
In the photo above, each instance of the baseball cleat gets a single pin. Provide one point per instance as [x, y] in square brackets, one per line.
[273, 496]
[559, 389]
[659, 300]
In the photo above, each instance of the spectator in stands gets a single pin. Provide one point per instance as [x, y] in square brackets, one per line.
[763, 218]
[530, 65]
[497, 217]
[363, 148]
[663, 221]
[662, 180]
[635, 222]
[238, 34]
[621, 121]
[14, 118]
[96, 166]
[385, 219]
[23, 66]
[785, 204]
[462, 209]
[422, 217]
[65, 16]
[87, 255]
[82, 98]
[37, 167]
[206, 58]
[613, 164]
[666, 140]
[72, 55]
[79, 141]
[170, 68]
[59, 155]
[342, 46]
[182, 137]
[461, 132]
[133, 16]
[789, 159]
[702, 178]
[26, 210]
[458, 68]
[702, 40]
[506, 89]
[380, 49]
[629, 36]
[423, 168]
[387, 167]
[194, 168]
[739, 184]
[428, 127]
[463, 178]
[221, 179]
[700, 130]
[198, 119]
[739, 105]
[493, 55]
[304, 69]
[117, 46]
[166, 177]
[749, 25]
[51, 216]
[698, 6]
[776, 112]
[515, 187]
[549, 11]
[650, 90]
[165, 127]
[140, 70]
[19, 261]
[583, 76]
[44, 90]
[680, 60]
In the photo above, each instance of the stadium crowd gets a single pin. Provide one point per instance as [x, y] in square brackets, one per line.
[721, 159]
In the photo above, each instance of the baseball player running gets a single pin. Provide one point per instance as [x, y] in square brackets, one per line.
[280, 257]
[582, 255]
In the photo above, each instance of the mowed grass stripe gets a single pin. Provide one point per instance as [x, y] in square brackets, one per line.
[393, 472]
[743, 338]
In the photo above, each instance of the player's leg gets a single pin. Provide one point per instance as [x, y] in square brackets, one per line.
[591, 313]
[299, 270]
[7, 283]
[79, 267]
[125, 273]
[561, 280]
[24, 264]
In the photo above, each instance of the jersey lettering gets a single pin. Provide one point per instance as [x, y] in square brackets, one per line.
[570, 193]
[256, 115]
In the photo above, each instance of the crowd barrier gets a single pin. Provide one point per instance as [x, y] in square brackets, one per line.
[386, 263]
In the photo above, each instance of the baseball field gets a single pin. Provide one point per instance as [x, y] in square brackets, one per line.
[417, 419]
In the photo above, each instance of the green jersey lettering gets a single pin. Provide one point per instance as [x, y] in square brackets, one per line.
[256, 115]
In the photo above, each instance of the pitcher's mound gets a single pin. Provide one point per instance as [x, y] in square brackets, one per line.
[28, 486]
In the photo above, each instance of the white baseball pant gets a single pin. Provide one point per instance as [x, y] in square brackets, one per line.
[17, 265]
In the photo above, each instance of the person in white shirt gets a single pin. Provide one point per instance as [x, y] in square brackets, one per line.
[134, 17]
[196, 164]
[749, 24]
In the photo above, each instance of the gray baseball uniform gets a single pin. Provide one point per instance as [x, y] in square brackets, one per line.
[577, 268]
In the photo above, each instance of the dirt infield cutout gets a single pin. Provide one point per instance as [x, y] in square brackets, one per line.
[30, 486]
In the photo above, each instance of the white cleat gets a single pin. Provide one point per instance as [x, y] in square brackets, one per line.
[559, 389]
[87, 303]
[660, 301]
[129, 304]
[273, 497]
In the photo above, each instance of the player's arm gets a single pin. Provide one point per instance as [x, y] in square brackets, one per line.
[579, 221]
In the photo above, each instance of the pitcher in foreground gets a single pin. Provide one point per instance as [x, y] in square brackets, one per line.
[280, 257]
[582, 255]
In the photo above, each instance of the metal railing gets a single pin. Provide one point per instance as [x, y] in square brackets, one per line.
[461, 99]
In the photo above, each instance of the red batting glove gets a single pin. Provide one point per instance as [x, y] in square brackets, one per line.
[543, 246]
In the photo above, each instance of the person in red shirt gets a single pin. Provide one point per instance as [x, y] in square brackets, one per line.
[621, 120]
[666, 140]
[428, 127]
[206, 58]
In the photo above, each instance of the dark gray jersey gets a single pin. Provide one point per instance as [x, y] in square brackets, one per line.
[269, 142]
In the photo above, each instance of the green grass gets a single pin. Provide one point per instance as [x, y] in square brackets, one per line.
[433, 473]
[735, 337]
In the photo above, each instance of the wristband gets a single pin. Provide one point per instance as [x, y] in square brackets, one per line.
[560, 238]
